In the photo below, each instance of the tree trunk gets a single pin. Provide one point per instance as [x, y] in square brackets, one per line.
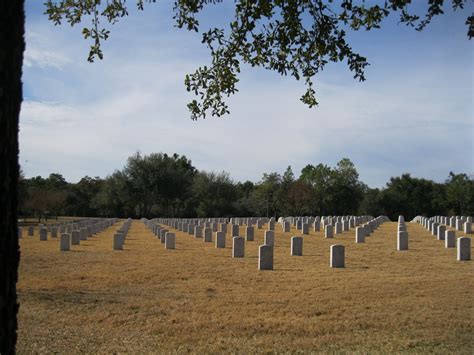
[12, 45]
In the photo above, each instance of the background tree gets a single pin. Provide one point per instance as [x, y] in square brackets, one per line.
[346, 189]
[44, 197]
[56, 181]
[299, 198]
[214, 194]
[409, 196]
[159, 181]
[460, 194]
[266, 195]
[36, 203]
[114, 199]
[319, 178]
[287, 181]
[371, 203]
[55, 203]
[173, 187]
[82, 199]
[244, 204]
[57, 187]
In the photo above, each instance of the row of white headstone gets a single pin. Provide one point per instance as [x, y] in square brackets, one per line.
[70, 233]
[182, 224]
[402, 234]
[251, 221]
[121, 234]
[459, 223]
[437, 226]
[266, 250]
[338, 224]
[83, 233]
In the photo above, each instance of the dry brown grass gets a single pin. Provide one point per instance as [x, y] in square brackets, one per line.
[198, 299]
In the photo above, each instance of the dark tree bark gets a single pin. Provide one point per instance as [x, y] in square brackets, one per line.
[12, 45]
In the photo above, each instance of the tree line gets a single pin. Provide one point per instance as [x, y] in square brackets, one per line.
[170, 186]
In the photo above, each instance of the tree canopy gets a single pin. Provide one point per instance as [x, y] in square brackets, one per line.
[296, 38]
[170, 186]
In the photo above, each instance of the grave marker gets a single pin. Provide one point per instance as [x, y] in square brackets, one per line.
[337, 256]
[265, 257]
[238, 247]
[65, 242]
[296, 246]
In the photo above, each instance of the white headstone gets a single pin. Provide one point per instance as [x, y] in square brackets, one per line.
[83, 233]
[235, 230]
[271, 224]
[402, 241]
[75, 237]
[450, 239]
[170, 240]
[118, 241]
[265, 257]
[43, 234]
[441, 232]
[238, 247]
[249, 233]
[360, 234]
[328, 231]
[65, 242]
[337, 256]
[269, 238]
[464, 249]
[220, 240]
[467, 227]
[304, 228]
[345, 225]
[316, 226]
[208, 235]
[198, 231]
[224, 228]
[296, 246]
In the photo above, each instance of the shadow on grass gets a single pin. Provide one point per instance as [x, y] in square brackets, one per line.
[314, 255]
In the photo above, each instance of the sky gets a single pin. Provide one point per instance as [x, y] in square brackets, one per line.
[413, 114]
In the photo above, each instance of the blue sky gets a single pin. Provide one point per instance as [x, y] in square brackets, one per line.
[413, 114]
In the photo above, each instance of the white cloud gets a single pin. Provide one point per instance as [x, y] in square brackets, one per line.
[47, 114]
[44, 58]
[38, 53]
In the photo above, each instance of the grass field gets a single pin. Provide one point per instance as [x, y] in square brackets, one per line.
[146, 299]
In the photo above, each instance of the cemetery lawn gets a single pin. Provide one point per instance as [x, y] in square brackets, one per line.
[146, 299]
